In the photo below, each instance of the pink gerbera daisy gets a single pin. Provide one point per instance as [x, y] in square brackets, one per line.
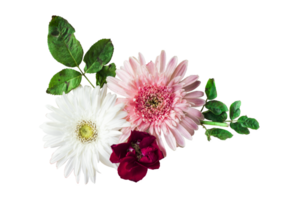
[157, 100]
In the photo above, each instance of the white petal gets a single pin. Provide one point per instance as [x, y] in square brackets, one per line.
[69, 167]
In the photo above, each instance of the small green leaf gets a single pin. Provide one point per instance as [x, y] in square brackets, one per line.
[219, 133]
[235, 110]
[210, 89]
[207, 136]
[98, 55]
[239, 128]
[104, 73]
[217, 107]
[215, 118]
[64, 81]
[252, 123]
[63, 45]
[243, 118]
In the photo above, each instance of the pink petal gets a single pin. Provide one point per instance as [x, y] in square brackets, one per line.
[196, 102]
[144, 126]
[134, 64]
[192, 86]
[171, 66]
[179, 139]
[180, 70]
[189, 129]
[151, 129]
[142, 59]
[124, 76]
[150, 66]
[194, 113]
[162, 61]
[117, 89]
[189, 123]
[170, 140]
[158, 130]
[128, 68]
[189, 80]
[160, 143]
[184, 132]
[176, 87]
[121, 100]
[194, 94]
[125, 134]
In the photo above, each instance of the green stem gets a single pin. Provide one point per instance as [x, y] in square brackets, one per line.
[214, 123]
[86, 77]
[203, 105]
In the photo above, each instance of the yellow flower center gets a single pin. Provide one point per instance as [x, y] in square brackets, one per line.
[86, 131]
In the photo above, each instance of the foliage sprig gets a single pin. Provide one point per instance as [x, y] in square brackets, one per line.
[216, 115]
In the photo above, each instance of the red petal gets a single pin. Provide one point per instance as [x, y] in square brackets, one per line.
[160, 154]
[120, 149]
[114, 158]
[138, 173]
[137, 135]
[126, 164]
[154, 166]
[124, 169]
[149, 159]
[129, 169]
[147, 141]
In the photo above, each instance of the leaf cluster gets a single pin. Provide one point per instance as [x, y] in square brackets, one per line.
[216, 109]
[217, 112]
[67, 50]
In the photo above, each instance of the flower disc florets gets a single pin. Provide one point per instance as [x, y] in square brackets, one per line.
[86, 131]
[153, 103]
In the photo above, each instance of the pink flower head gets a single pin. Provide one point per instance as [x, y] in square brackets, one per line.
[158, 100]
[136, 156]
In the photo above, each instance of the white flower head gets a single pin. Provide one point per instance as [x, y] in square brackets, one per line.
[83, 127]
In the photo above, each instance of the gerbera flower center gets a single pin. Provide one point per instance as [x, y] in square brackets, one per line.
[86, 131]
[154, 103]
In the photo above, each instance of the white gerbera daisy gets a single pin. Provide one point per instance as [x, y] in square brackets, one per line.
[84, 126]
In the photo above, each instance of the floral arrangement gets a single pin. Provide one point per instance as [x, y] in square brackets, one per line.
[89, 125]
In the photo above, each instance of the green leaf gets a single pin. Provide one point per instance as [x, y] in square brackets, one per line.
[249, 122]
[104, 73]
[210, 89]
[239, 128]
[219, 133]
[215, 118]
[63, 45]
[207, 135]
[235, 110]
[243, 118]
[98, 55]
[217, 107]
[64, 81]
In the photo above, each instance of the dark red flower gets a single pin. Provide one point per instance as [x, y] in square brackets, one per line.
[136, 156]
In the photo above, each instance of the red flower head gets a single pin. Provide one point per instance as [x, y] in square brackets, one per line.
[136, 156]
